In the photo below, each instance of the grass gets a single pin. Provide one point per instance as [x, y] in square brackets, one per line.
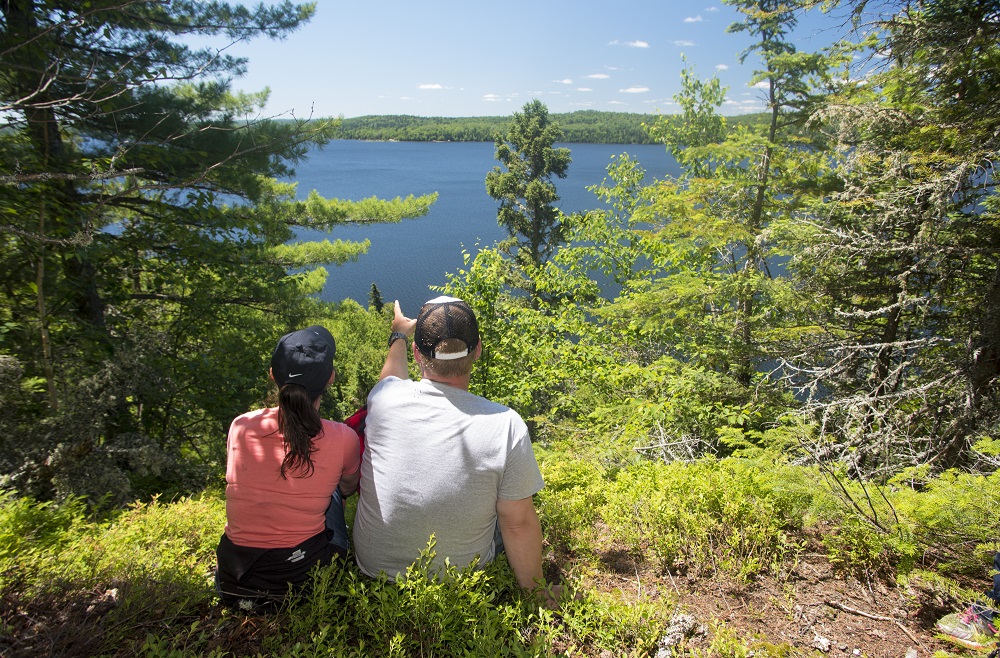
[139, 582]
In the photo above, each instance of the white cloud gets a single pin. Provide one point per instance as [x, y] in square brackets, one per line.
[683, 43]
[630, 44]
[743, 105]
[763, 84]
[634, 90]
[712, 9]
[564, 81]
[584, 89]
[492, 98]
[617, 103]
[693, 19]
[430, 86]
[599, 76]
[721, 67]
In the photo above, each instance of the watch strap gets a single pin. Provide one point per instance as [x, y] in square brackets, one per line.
[396, 335]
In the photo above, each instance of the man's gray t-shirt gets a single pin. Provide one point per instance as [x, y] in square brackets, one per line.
[436, 460]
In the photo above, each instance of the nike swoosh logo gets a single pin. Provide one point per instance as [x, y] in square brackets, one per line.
[295, 375]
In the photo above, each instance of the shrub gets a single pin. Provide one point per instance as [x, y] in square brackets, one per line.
[570, 502]
[728, 515]
[140, 583]
[28, 527]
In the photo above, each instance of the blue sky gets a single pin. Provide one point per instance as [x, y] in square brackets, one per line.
[452, 58]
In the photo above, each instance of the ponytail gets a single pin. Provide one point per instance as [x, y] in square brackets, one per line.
[299, 423]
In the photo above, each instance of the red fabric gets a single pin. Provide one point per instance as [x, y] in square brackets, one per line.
[357, 423]
[262, 509]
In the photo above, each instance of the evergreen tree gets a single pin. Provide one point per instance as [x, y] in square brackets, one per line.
[907, 257]
[715, 296]
[525, 190]
[375, 299]
[144, 269]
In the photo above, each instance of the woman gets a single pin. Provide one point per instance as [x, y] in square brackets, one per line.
[287, 473]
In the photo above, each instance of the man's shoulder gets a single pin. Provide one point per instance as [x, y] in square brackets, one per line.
[388, 383]
[497, 407]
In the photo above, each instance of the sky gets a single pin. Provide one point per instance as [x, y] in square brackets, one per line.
[468, 58]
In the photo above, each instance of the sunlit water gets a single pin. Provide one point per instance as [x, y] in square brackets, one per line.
[405, 259]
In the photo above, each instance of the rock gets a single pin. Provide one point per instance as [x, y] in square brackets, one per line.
[680, 627]
[821, 643]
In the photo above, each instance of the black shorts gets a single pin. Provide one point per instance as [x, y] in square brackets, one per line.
[249, 578]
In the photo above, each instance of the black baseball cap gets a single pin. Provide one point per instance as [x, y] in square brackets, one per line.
[305, 357]
[444, 318]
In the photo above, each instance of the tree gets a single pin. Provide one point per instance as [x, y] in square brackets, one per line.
[907, 255]
[525, 190]
[716, 296]
[143, 231]
[375, 299]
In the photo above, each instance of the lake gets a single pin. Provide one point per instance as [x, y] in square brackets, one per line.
[408, 257]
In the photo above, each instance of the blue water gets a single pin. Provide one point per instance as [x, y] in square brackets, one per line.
[406, 258]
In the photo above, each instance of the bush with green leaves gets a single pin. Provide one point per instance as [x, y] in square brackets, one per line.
[734, 516]
[31, 528]
[140, 583]
[947, 521]
[570, 503]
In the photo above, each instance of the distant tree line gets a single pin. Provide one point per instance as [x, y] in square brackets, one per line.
[582, 127]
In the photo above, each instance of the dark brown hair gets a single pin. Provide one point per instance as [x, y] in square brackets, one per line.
[299, 423]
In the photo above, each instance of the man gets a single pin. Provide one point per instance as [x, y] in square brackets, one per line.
[441, 461]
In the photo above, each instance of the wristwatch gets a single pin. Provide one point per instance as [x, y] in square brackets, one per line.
[396, 335]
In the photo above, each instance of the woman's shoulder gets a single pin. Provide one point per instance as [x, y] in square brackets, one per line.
[337, 429]
[338, 437]
[255, 417]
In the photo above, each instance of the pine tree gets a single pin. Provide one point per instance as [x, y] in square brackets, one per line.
[525, 190]
[144, 268]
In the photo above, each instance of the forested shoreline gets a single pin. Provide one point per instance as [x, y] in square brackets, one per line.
[777, 437]
[580, 127]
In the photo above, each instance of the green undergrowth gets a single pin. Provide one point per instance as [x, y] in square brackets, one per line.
[140, 582]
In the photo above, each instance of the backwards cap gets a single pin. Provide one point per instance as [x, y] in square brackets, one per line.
[441, 319]
[305, 357]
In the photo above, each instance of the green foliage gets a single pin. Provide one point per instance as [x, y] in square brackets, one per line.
[526, 192]
[150, 562]
[155, 542]
[32, 528]
[154, 562]
[571, 501]
[584, 126]
[952, 515]
[145, 268]
[864, 551]
[106, 580]
[456, 613]
[731, 516]
[361, 335]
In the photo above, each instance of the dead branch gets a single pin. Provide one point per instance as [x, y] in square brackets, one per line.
[862, 613]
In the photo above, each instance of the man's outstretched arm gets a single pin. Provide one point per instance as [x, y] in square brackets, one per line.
[395, 360]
